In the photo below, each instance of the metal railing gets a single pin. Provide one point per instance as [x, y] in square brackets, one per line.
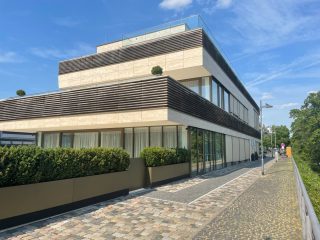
[310, 223]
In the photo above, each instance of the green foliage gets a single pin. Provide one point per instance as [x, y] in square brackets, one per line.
[306, 130]
[20, 93]
[283, 136]
[311, 180]
[157, 70]
[26, 164]
[158, 156]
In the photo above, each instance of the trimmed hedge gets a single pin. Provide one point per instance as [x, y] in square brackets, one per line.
[26, 164]
[158, 156]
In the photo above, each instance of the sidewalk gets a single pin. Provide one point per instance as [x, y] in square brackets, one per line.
[267, 210]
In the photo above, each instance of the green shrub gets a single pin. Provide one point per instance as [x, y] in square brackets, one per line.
[157, 70]
[26, 164]
[158, 156]
[311, 180]
[20, 93]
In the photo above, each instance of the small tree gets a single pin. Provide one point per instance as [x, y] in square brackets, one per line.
[21, 93]
[157, 70]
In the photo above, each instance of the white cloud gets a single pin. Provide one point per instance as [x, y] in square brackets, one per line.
[302, 65]
[175, 4]
[266, 96]
[66, 22]
[9, 57]
[262, 25]
[286, 105]
[54, 53]
[223, 4]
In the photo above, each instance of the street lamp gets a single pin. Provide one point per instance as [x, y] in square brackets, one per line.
[261, 107]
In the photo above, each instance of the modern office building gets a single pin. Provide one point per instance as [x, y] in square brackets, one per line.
[110, 99]
[17, 138]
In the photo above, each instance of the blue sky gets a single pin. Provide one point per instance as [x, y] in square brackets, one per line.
[274, 46]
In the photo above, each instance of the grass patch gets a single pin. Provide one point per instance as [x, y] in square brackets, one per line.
[311, 180]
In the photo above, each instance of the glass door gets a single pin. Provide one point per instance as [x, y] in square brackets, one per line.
[200, 151]
[194, 151]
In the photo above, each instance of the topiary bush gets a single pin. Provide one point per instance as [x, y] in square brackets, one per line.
[157, 70]
[159, 156]
[20, 93]
[27, 164]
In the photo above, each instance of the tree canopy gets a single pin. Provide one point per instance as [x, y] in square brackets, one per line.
[283, 136]
[305, 129]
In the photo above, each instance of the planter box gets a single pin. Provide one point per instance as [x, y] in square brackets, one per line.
[168, 173]
[25, 203]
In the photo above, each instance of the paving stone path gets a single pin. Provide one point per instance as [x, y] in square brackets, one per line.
[272, 212]
[153, 214]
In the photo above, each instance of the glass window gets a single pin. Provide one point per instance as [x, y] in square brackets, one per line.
[205, 88]
[128, 140]
[86, 140]
[182, 137]
[220, 97]
[226, 101]
[170, 136]
[218, 150]
[156, 136]
[235, 106]
[214, 92]
[231, 103]
[51, 140]
[141, 140]
[66, 140]
[111, 139]
[192, 85]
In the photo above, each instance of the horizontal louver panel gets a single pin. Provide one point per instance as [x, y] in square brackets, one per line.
[153, 93]
[177, 42]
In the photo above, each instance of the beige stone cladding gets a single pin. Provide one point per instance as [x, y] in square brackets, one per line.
[147, 117]
[176, 64]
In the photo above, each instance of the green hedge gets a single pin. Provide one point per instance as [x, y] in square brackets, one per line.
[26, 164]
[311, 180]
[158, 156]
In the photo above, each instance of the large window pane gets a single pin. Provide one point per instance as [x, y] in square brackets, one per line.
[86, 140]
[194, 151]
[156, 136]
[170, 136]
[205, 88]
[182, 137]
[111, 139]
[220, 97]
[141, 140]
[214, 92]
[51, 140]
[218, 150]
[226, 101]
[192, 84]
[128, 140]
[66, 140]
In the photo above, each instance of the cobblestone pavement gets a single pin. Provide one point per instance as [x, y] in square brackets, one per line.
[272, 212]
[143, 216]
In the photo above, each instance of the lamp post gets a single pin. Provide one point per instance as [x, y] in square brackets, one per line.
[271, 142]
[261, 107]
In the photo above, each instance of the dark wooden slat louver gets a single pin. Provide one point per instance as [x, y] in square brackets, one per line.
[151, 93]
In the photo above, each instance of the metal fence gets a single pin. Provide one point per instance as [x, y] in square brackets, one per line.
[310, 223]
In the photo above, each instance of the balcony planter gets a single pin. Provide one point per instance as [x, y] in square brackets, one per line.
[25, 203]
[168, 173]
